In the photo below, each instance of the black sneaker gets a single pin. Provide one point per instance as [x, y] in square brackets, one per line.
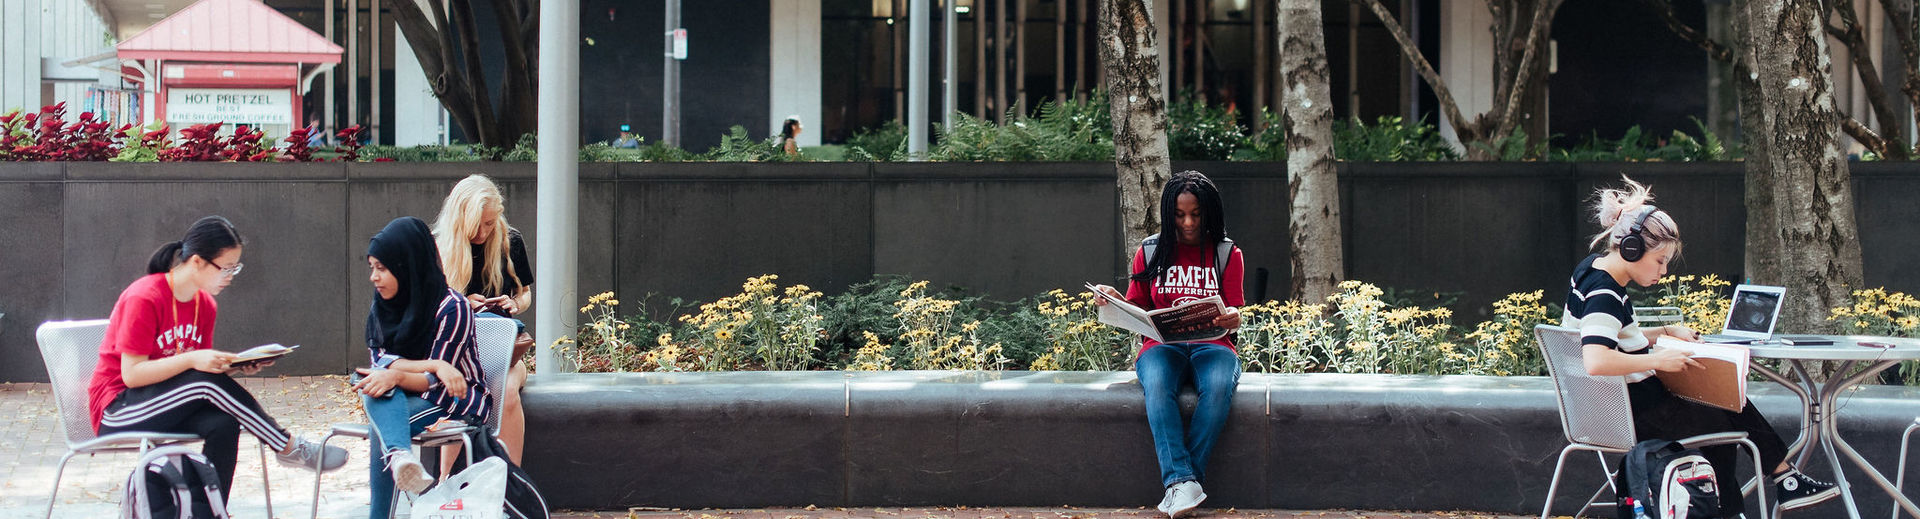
[1796, 490]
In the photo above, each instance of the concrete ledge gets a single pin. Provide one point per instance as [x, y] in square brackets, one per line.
[744, 440]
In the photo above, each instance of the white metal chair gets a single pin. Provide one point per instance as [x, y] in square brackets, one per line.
[71, 350]
[495, 348]
[1662, 315]
[1596, 416]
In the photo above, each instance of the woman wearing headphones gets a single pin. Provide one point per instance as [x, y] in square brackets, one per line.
[1640, 240]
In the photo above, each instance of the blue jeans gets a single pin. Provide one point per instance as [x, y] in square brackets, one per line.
[396, 418]
[1214, 371]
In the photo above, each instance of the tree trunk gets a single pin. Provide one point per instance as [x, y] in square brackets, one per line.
[1131, 57]
[1807, 186]
[1314, 220]
[448, 45]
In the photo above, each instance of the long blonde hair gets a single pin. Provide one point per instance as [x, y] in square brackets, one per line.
[459, 220]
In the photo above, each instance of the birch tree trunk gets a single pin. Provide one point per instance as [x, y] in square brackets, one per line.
[1130, 56]
[1314, 220]
[1803, 200]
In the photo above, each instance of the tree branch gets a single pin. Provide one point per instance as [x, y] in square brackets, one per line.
[1857, 52]
[1462, 128]
[1860, 132]
[1542, 18]
[1715, 50]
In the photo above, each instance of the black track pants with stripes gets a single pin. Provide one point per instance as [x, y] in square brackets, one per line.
[211, 406]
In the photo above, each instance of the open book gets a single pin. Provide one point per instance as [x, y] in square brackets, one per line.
[262, 353]
[1721, 379]
[1188, 322]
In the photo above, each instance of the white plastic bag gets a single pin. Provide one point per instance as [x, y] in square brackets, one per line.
[476, 493]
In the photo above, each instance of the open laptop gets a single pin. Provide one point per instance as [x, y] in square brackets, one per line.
[1750, 320]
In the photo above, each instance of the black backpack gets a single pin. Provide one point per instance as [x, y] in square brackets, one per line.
[173, 483]
[523, 499]
[1667, 481]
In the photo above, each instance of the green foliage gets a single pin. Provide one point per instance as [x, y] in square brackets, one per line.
[1636, 145]
[884, 143]
[1514, 147]
[1390, 139]
[455, 153]
[1199, 131]
[736, 146]
[1270, 145]
[1070, 131]
[663, 152]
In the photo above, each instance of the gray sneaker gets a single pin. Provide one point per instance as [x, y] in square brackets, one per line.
[1183, 497]
[307, 455]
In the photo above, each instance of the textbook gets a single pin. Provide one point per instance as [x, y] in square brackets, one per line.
[1188, 322]
[262, 353]
[1721, 379]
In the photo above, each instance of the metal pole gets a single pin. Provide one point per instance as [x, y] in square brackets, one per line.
[1000, 61]
[670, 71]
[353, 63]
[373, 76]
[328, 117]
[980, 59]
[559, 180]
[917, 120]
[949, 73]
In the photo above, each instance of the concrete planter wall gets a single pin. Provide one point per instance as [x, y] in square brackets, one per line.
[746, 440]
[73, 235]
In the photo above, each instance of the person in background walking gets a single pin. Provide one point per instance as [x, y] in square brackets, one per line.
[788, 131]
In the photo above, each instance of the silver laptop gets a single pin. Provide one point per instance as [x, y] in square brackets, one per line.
[1750, 321]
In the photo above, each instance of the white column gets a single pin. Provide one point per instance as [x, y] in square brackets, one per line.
[556, 264]
[793, 84]
[1466, 60]
[20, 55]
[416, 113]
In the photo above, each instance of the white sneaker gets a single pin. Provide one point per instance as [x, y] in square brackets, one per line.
[408, 475]
[1168, 498]
[1182, 498]
[308, 455]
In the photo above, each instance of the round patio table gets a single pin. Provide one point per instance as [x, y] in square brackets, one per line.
[1817, 399]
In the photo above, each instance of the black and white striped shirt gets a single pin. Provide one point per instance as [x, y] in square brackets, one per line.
[1599, 307]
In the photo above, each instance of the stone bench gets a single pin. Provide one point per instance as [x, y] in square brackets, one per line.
[839, 439]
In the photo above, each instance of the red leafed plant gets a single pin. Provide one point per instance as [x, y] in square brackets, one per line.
[297, 149]
[198, 143]
[245, 146]
[45, 135]
[349, 147]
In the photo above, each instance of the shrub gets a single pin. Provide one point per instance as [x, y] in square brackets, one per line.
[1080, 342]
[1270, 145]
[1198, 131]
[887, 142]
[736, 146]
[1070, 131]
[430, 153]
[1390, 139]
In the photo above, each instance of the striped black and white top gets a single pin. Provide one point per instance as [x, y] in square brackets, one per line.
[1599, 307]
[454, 341]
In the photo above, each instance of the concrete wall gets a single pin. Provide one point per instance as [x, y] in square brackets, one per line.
[1016, 438]
[73, 235]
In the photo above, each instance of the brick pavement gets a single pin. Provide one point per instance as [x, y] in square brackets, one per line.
[31, 446]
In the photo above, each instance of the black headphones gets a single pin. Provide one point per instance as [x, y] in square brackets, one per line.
[1633, 246]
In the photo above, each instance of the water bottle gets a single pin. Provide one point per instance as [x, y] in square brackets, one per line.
[1639, 512]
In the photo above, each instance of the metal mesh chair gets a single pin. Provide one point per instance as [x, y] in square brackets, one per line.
[1900, 476]
[1596, 416]
[494, 337]
[71, 350]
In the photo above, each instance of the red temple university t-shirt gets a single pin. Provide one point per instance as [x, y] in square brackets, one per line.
[1191, 277]
[147, 321]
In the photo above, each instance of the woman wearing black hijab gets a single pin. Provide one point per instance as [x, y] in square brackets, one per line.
[425, 363]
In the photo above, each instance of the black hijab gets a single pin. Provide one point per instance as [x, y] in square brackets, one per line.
[404, 325]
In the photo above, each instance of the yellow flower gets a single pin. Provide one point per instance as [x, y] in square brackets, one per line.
[723, 335]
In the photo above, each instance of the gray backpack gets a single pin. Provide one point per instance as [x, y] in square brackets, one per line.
[173, 482]
[1222, 252]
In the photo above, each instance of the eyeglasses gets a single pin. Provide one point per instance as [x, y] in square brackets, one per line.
[228, 271]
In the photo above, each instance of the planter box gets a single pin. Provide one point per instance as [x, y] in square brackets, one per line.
[918, 438]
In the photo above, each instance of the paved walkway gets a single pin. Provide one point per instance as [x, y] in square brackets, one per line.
[31, 446]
